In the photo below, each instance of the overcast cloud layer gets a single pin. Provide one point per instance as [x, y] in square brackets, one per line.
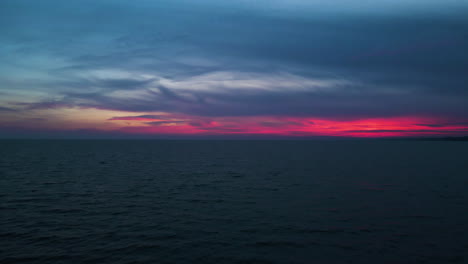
[344, 60]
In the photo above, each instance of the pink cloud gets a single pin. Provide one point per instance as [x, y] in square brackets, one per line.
[296, 126]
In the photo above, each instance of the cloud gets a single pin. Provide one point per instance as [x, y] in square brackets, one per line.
[45, 105]
[107, 83]
[5, 109]
[293, 127]
[237, 59]
[264, 94]
[137, 118]
[166, 123]
[446, 124]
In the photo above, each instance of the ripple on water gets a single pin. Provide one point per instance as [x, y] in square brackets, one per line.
[230, 202]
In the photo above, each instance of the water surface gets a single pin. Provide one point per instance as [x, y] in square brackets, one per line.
[90, 201]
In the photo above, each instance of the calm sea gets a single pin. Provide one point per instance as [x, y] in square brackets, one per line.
[90, 201]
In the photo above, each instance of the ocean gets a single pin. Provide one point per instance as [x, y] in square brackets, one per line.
[144, 201]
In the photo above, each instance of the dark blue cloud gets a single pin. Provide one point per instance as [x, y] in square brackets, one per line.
[5, 109]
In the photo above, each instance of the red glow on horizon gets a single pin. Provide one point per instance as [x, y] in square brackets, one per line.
[295, 126]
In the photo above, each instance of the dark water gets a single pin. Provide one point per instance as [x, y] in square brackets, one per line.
[233, 202]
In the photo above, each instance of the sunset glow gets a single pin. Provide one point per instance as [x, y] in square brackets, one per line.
[295, 127]
[233, 68]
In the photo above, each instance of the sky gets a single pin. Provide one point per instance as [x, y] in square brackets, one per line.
[223, 68]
